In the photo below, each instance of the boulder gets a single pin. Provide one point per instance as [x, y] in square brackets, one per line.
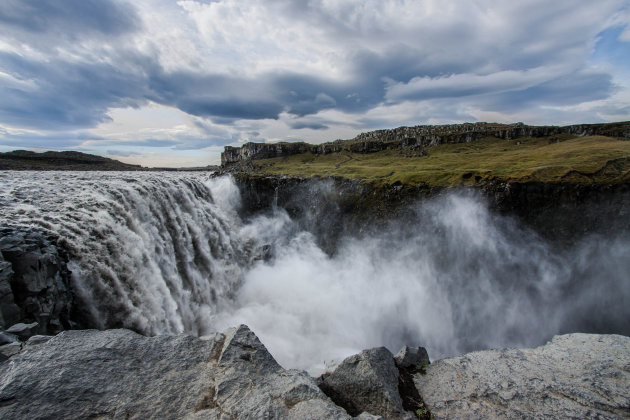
[367, 382]
[573, 376]
[251, 384]
[23, 331]
[120, 374]
[412, 358]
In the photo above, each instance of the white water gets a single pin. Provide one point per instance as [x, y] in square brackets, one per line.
[167, 253]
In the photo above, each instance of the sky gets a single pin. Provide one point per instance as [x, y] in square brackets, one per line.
[170, 83]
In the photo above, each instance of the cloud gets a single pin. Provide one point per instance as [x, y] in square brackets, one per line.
[283, 64]
[69, 18]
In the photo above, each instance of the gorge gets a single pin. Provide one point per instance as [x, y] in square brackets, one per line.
[320, 268]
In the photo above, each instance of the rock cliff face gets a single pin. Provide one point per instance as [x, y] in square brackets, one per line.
[120, 374]
[416, 138]
[34, 281]
[334, 207]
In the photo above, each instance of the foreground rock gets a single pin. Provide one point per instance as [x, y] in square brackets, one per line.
[120, 374]
[367, 382]
[573, 376]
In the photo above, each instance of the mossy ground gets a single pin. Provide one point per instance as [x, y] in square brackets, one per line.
[583, 160]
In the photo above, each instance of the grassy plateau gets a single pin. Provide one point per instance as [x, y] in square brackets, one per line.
[562, 158]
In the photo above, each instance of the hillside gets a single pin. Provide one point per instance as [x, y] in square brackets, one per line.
[584, 160]
[27, 160]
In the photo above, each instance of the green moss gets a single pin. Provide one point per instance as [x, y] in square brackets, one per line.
[585, 160]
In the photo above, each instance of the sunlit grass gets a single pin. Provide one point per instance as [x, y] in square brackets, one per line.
[594, 159]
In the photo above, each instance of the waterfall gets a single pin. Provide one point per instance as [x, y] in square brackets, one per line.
[155, 252]
[166, 253]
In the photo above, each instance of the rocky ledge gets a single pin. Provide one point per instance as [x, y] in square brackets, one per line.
[120, 374]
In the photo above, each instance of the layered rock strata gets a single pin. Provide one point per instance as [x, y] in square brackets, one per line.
[416, 138]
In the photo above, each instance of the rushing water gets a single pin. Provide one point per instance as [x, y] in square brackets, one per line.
[167, 253]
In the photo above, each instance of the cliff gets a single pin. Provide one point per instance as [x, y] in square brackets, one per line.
[415, 139]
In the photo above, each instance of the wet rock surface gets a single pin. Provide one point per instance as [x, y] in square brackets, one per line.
[34, 283]
[573, 376]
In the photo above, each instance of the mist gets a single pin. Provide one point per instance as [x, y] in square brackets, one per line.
[453, 278]
[174, 253]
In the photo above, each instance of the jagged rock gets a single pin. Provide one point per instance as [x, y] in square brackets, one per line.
[251, 384]
[120, 374]
[6, 338]
[367, 382]
[11, 349]
[573, 376]
[412, 357]
[9, 311]
[34, 280]
[23, 331]
[38, 339]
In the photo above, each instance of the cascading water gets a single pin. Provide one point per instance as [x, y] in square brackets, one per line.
[167, 253]
[153, 252]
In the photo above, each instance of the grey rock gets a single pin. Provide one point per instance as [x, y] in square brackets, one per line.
[412, 357]
[23, 331]
[11, 349]
[368, 382]
[6, 338]
[120, 374]
[368, 416]
[573, 376]
[251, 384]
[38, 339]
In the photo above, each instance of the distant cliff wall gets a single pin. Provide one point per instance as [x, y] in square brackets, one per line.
[418, 137]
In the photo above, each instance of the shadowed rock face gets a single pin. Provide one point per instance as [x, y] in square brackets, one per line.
[34, 281]
[573, 376]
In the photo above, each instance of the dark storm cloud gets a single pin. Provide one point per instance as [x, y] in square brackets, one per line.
[59, 95]
[68, 18]
[94, 55]
[297, 125]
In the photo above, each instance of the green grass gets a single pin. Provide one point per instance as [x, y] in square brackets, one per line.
[584, 160]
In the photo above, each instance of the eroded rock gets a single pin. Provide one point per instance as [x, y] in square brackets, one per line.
[573, 376]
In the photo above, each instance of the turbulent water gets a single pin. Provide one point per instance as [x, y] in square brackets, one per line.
[166, 253]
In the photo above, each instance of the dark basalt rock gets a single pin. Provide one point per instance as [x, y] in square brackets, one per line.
[367, 382]
[34, 282]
